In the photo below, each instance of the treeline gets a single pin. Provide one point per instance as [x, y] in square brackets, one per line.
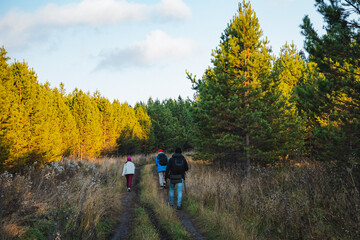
[254, 107]
[168, 125]
[171, 124]
[250, 107]
[42, 124]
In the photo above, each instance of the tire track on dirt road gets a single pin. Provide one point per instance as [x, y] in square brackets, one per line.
[130, 201]
[183, 216]
[189, 226]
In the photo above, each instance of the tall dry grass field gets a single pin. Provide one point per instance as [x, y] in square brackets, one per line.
[63, 200]
[310, 201]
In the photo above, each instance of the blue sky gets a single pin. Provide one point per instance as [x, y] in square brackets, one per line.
[131, 50]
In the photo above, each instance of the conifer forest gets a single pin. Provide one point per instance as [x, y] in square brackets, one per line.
[252, 108]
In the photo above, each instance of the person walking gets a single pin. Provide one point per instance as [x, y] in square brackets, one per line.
[161, 162]
[128, 172]
[175, 171]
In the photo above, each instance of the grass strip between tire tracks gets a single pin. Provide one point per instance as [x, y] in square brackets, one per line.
[166, 217]
[143, 228]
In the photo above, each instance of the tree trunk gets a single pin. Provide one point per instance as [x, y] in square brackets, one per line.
[247, 160]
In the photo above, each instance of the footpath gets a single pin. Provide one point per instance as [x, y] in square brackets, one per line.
[131, 200]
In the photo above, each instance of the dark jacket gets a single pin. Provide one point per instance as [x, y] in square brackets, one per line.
[170, 168]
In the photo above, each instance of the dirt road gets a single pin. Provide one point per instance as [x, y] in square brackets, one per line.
[130, 201]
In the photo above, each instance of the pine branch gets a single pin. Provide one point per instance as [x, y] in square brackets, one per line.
[351, 4]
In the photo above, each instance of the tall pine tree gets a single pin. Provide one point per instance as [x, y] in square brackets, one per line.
[232, 107]
[289, 69]
[335, 99]
[88, 122]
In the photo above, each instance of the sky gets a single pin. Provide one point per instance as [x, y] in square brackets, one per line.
[131, 50]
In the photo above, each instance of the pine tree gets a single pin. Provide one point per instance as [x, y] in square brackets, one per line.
[183, 122]
[130, 130]
[88, 121]
[69, 133]
[30, 129]
[336, 100]
[5, 103]
[165, 128]
[46, 138]
[145, 123]
[107, 123]
[116, 106]
[22, 85]
[289, 69]
[231, 107]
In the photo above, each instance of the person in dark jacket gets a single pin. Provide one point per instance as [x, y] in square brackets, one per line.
[175, 171]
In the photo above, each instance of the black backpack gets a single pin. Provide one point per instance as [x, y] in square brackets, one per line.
[179, 164]
[162, 160]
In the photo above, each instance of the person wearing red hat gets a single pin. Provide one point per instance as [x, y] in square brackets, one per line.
[161, 162]
[128, 172]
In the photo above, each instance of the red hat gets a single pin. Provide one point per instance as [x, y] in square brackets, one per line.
[160, 150]
[129, 158]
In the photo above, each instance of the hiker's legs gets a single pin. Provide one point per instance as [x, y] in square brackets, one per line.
[129, 178]
[179, 192]
[171, 193]
[162, 179]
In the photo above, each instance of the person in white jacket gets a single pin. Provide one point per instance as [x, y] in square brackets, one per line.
[128, 172]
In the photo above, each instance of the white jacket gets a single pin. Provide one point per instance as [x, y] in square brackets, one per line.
[129, 168]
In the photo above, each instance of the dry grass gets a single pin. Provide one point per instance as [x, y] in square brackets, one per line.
[81, 200]
[66, 199]
[307, 202]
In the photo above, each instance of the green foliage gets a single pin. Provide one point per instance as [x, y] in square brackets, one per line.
[249, 106]
[289, 69]
[238, 113]
[334, 98]
[171, 124]
[40, 230]
[105, 228]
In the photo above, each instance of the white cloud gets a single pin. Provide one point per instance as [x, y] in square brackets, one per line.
[17, 26]
[173, 9]
[157, 47]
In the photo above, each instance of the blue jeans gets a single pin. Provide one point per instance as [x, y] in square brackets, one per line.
[179, 193]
